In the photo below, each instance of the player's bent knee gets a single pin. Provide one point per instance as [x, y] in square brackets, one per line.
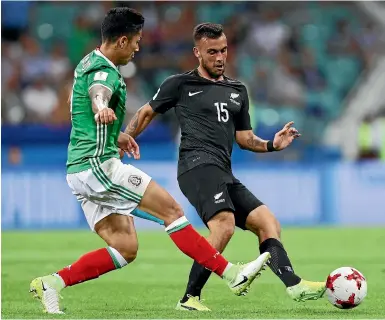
[263, 223]
[126, 245]
[222, 224]
[224, 233]
[173, 212]
[130, 255]
[128, 251]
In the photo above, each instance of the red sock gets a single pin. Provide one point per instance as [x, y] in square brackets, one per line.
[191, 243]
[89, 266]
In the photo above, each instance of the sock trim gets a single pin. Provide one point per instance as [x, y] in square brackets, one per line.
[117, 258]
[178, 228]
[61, 279]
[228, 267]
[177, 225]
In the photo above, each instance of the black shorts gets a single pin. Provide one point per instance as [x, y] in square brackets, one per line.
[211, 190]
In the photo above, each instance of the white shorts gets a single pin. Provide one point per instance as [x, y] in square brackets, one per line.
[109, 187]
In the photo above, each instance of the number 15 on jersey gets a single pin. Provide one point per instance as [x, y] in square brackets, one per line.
[223, 113]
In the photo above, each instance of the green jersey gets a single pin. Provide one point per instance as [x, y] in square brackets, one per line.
[90, 141]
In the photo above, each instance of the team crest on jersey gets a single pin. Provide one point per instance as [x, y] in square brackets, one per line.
[135, 180]
[234, 96]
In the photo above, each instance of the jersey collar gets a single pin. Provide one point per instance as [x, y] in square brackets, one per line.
[196, 73]
[100, 54]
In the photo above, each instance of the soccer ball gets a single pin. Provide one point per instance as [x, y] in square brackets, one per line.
[346, 287]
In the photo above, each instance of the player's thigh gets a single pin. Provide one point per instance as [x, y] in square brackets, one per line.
[206, 188]
[133, 188]
[244, 203]
[159, 203]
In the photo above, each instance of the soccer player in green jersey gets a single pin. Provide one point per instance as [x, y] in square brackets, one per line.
[108, 190]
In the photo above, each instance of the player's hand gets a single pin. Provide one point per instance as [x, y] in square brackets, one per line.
[129, 146]
[285, 137]
[105, 116]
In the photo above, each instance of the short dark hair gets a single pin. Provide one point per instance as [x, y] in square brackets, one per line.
[207, 30]
[119, 22]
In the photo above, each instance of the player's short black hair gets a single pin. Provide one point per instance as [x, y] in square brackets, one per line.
[119, 22]
[207, 30]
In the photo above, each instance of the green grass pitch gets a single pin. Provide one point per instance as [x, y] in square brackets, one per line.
[151, 286]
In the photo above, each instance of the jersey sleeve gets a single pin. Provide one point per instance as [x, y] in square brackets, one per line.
[242, 119]
[106, 77]
[167, 95]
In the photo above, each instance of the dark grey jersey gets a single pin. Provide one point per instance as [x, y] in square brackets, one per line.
[209, 114]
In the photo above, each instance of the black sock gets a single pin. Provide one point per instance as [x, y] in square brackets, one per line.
[197, 279]
[279, 261]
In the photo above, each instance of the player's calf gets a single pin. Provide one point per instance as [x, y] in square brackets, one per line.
[263, 223]
[119, 233]
[87, 267]
[222, 227]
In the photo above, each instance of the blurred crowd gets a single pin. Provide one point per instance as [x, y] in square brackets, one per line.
[299, 60]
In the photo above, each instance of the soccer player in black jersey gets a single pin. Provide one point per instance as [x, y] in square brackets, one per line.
[213, 112]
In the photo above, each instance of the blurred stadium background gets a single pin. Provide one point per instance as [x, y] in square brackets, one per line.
[321, 64]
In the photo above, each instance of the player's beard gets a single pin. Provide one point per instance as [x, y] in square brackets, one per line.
[211, 71]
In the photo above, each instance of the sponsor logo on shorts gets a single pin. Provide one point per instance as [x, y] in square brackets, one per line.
[135, 180]
[218, 199]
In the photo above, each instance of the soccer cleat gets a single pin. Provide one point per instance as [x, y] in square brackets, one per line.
[239, 277]
[47, 289]
[307, 290]
[192, 304]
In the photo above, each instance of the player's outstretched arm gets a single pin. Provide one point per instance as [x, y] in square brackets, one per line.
[246, 139]
[140, 121]
[100, 96]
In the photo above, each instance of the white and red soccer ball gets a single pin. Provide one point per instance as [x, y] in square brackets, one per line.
[346, 288]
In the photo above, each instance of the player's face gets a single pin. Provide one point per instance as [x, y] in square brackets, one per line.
[128, 47]
[212, 55]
